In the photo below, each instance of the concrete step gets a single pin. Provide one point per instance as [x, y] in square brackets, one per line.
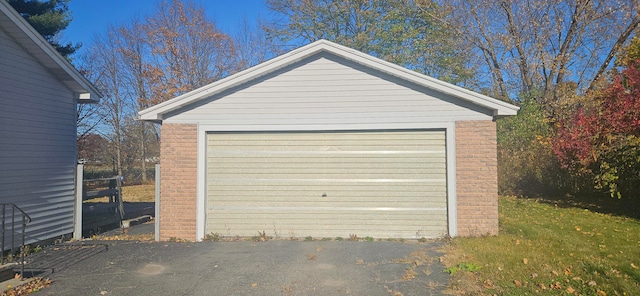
[7, 271]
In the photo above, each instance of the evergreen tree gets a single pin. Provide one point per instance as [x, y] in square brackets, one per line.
[48, 18]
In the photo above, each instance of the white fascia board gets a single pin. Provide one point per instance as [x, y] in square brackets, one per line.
[48, 56]
[156, 112]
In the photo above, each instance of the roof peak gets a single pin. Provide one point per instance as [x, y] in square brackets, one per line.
[156, 113]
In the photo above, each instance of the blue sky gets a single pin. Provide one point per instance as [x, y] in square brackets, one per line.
[91, 17]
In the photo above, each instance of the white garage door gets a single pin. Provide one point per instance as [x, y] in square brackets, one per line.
[378, 184]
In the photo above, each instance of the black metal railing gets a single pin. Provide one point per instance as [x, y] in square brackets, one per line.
[25, 220]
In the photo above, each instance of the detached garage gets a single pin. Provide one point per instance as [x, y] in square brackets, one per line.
[326, 141]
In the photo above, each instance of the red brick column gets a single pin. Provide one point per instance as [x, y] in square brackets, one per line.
[477, 178]
[178, 173]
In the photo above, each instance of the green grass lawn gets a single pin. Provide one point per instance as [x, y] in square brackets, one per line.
[544, 249]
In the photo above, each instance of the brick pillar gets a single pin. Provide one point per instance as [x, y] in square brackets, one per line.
[477, 178]
[178, 173]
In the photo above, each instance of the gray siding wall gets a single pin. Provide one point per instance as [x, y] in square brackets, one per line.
[326, 93]
[37, 142]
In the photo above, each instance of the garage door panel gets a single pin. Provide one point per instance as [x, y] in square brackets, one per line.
[350, 204]
[384, 184]
[275, 204]
[324, 177]
[421, 173]
[242, 165]
[289, 193]
[324, 136]
[350, 219]
[326, 157]
[257, 186]
[310, 164]
[329, 148]
[323, 225]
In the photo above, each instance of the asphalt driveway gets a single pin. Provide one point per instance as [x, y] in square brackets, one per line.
[242, 268]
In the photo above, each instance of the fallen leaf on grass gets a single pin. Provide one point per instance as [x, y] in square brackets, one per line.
[592, 283]
[567, 271]
[525, 261]
[602, 293]
[634, 266]
[488, 284]
[517, 283]
[570, 290]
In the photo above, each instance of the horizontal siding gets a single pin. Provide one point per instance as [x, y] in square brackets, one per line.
[381, 184]
[327, 91]
[37, 142]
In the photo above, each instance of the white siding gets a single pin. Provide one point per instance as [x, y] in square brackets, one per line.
[379, 184]
[326, 93]
[37, 142]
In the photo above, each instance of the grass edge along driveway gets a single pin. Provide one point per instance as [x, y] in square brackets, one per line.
[543, 249]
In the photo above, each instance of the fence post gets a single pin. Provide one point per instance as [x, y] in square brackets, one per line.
[157, 209]
[118, 195]
[77, 214]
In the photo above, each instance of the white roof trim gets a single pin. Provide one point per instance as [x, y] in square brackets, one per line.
[17, 27]
[155, 113]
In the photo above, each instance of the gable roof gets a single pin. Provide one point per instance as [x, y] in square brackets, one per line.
[17, 27]
[156, 113]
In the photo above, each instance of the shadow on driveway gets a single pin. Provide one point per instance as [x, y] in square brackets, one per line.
[248, 268]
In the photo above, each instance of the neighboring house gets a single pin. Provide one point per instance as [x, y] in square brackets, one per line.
[39, 90]
[326, 141]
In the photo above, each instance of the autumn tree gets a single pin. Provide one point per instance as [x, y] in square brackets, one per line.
[602, 143]
[49, 18]
[534, 46]
[526, 163]
[104, 69]
[403, 32]
[186, 50]
[173, 50]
